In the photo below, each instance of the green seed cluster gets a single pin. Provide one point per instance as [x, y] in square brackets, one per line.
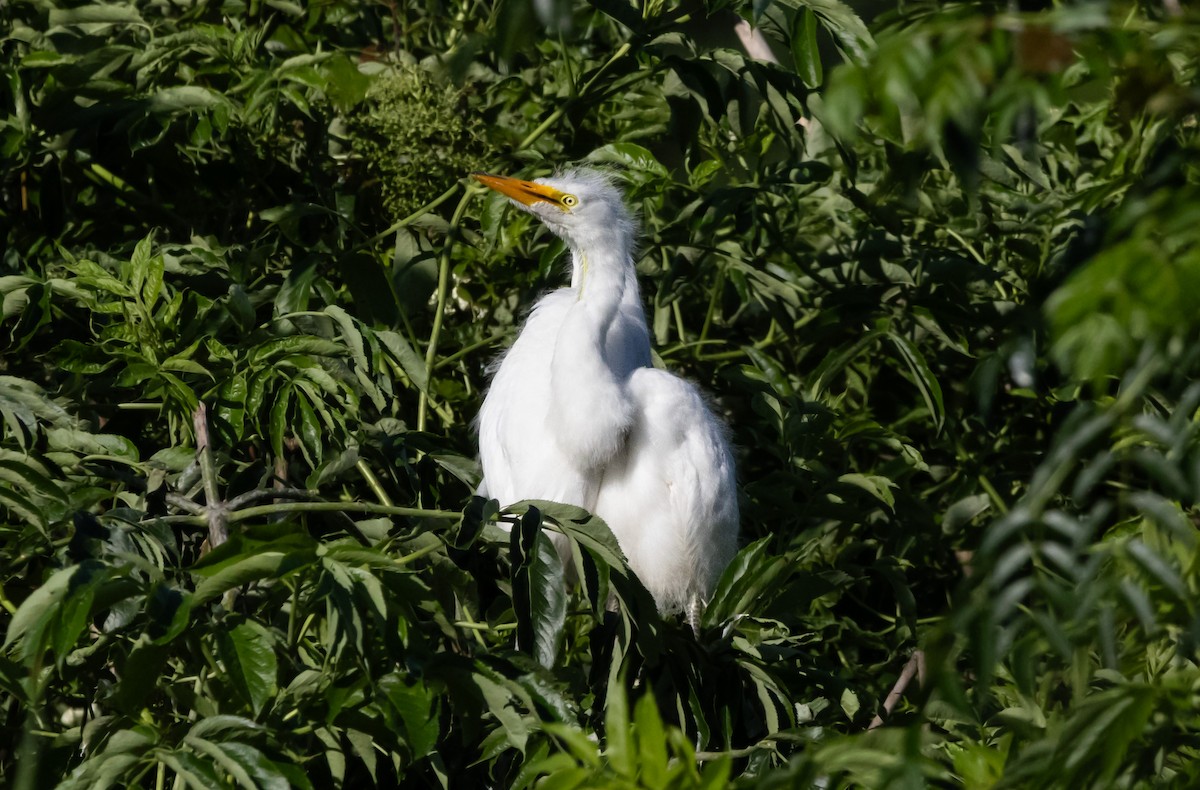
[416, 135]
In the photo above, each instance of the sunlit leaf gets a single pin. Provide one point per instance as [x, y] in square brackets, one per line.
[248, 653]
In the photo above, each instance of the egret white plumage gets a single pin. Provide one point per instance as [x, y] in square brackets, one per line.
[576, 414]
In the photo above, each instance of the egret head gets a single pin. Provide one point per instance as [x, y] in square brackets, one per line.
[581, 206]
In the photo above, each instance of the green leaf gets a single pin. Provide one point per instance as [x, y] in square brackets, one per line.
[1157, 569]
[147, 272]
[55, 614]
[479, 512]
[804, 48]
[409, 360]
[548, 601]
[618, 740]
[923, 377]
[875, 485]
[170, 611]
[97, 13]
[295, 291]
[295, 346]
[639, 160]
[847, 29]
[260, 566]
[216, 752]
[140, 676]
[248, 654]
[24, 405]
[849, 703]
[91, 444]
[743, 583]
[345, 84]
[514, 728]
[36, 611]
[279, 428]
[651, 742]
[23, 508]
[964, 511]
[184, 98]
[581, 747]
[353, 339]
[309, 431]
[194, 772]
[213, 726]
[249, 766]
[418, 711]
[539, 590]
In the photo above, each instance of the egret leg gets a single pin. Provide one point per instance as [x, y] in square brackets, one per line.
[694, 610]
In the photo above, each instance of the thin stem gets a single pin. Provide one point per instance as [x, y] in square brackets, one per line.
[29, 753]
[712, 304]
[411, 218]
[675, 349]
[313, 507]
[914, 667]
[462, 352]
[421, 552]
[993, 493]
[472, 625]
[308, 621]
[402, 375]
[769, 339]
[440, 311]
[966, 245]
[216, 518]
[467, 622]
[7, 604]
[721, 355]
[365, 470]
[183, 503]
[198, 691]
[736, 754]
[258, 495]
[291, 629]
[554, 117]
[678, 313]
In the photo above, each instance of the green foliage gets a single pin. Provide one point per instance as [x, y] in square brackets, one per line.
[938, 266]
[416, 136]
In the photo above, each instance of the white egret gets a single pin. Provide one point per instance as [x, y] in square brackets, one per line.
[576, 414]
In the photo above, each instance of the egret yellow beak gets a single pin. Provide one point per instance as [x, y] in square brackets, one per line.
[524, 192]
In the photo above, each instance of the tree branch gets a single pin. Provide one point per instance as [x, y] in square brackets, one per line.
[915, 666]
[216, 512]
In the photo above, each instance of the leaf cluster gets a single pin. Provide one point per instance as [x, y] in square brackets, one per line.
[936, 262]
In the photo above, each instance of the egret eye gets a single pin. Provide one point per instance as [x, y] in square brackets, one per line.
[570, 201]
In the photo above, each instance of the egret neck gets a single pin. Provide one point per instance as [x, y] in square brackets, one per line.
[592, 360]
